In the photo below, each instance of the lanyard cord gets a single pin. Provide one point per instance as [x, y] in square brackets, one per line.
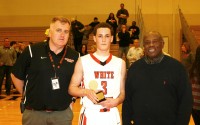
[60, 62]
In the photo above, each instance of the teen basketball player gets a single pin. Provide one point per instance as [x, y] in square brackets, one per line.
[102, 77]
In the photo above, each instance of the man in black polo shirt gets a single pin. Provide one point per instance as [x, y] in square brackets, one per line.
[43, 72]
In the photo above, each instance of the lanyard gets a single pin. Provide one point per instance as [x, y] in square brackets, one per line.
[60, 62]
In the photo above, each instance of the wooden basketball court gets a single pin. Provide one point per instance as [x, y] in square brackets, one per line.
[10, 112]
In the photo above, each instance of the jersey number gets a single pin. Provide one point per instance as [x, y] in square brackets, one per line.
[104, 86]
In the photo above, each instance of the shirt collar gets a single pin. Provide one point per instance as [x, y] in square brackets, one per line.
[49, 50]
[155, 60]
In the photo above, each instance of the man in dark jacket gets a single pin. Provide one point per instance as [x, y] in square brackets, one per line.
[158, 91]
[135, 31]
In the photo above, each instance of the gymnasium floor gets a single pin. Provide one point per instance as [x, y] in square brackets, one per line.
[10, 112]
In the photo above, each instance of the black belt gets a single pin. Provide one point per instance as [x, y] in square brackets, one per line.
[46, 110]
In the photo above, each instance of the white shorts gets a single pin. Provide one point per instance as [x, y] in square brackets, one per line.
[90, 116]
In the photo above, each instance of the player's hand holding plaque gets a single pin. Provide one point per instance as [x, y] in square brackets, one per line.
[100, 95]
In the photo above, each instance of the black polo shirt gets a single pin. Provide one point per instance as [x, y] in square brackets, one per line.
[39, 70]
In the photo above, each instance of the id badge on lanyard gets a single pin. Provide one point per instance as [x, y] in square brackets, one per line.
[55, 83]
[55, 80]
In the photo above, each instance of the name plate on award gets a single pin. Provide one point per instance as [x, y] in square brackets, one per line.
[100, 95]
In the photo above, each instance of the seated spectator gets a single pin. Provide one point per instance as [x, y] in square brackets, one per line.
[94, 23]
[135, 52]
[135, 31]
[83, 50]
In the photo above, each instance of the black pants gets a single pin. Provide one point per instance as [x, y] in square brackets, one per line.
[5, 71]
[196, 116]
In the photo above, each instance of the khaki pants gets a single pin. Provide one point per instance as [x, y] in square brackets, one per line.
[32, 117]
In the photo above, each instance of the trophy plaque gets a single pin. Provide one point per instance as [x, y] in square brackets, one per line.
[100, 95]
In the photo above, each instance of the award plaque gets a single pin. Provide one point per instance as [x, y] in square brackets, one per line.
[100, 95]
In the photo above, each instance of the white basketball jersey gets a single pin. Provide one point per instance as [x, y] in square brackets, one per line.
[107, 74]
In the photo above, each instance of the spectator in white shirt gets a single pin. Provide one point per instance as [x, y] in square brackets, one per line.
[135, 52]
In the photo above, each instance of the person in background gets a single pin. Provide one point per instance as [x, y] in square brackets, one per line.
[124, 41]
[158, 91]
[93, 48]
[83, 50]
[103, 78]
[8, 57]
[194, 74]
[46, 35]
[186, 55]
[135, 31]
[14, 45]
[122, 15]
[113, 22]
[89, 28]
[42, 73]
[77, 32]
[94, 23]
[135, 52]
[21, 48]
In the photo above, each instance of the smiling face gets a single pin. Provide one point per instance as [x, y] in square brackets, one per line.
[153, 44]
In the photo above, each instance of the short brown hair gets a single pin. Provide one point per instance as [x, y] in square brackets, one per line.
[103, 25]
[61, 19]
